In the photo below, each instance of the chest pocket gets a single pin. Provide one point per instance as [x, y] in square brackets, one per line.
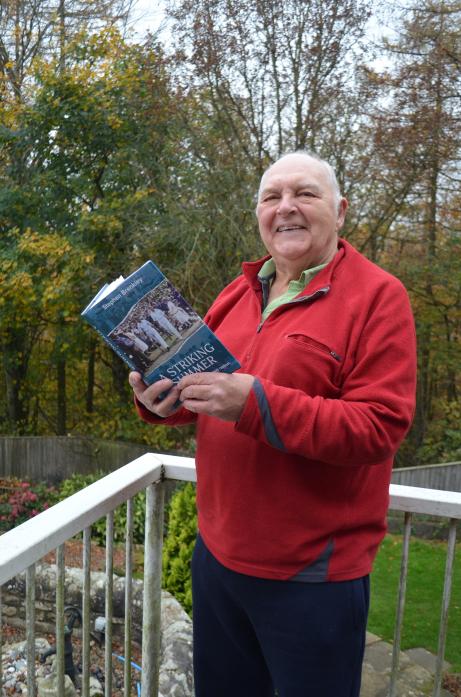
[310, 365]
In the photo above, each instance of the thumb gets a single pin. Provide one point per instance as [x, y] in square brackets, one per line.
[136, 383]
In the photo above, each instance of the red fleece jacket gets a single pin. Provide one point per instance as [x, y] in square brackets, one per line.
[299, 485]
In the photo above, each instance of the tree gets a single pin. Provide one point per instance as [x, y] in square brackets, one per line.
[90, 145]
[426, 111]
[30, 29]
[270, 67]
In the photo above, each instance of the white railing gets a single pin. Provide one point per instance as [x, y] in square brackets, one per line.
[432, 502]
[22, 547]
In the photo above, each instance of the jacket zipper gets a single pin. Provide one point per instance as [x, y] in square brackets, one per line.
[306, 298]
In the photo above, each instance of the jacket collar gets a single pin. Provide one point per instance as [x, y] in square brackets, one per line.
[250, 270]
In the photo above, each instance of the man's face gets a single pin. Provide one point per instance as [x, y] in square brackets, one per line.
[297, 214]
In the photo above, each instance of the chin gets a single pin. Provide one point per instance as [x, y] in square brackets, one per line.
[293, 253]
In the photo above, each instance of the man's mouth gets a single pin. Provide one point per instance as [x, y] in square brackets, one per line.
[289, 228]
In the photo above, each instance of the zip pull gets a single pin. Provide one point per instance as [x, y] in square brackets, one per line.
[336, 356]
[259, 327]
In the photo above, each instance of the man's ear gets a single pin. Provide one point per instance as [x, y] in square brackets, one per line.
[342, 208]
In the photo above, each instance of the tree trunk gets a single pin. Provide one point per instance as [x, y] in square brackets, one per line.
[90, 377]
[61, 420]
[119, 378]
[61, 391]
[15, 361]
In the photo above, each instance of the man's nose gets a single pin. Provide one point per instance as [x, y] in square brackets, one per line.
[286, 204]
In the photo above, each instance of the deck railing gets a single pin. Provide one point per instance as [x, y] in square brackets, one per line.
[22, 547]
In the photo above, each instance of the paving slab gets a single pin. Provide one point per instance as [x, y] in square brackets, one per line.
[426, 659]
[416, 671]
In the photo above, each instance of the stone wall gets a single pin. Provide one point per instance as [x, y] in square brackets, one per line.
[13, 595]
[176, 627]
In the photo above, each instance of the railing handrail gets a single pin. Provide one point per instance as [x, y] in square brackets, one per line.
[429, 466]
[415, 499]
[29, 542]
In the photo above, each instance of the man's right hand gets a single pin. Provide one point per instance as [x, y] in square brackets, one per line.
[148, 395]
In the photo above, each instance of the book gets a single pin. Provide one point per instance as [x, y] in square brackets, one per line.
[149, 324]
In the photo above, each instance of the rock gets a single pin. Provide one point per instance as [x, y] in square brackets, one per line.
[47, 687]
[96, 689]
[176, 676]
[19, 649]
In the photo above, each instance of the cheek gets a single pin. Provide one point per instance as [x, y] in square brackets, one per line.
[264, 222]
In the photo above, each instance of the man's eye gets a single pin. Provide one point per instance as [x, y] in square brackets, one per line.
[309, 194]
[270, 197]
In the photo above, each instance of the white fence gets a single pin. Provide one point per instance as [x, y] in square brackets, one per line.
[22, 547]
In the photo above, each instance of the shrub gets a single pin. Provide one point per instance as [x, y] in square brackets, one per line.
[179, 544]
[442, 442]
[20, 501]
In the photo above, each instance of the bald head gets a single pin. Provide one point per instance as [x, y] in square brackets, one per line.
[303, 159]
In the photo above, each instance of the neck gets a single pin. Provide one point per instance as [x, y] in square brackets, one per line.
[282, 279]
[287, 270]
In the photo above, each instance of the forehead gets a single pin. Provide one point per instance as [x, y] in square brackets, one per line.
[296, 171]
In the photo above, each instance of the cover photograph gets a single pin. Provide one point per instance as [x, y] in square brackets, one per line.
[147, 322]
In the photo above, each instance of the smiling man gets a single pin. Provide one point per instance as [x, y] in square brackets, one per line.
[294, 451]
[300, 213]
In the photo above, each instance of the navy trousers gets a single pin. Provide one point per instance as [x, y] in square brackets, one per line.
[256, 637]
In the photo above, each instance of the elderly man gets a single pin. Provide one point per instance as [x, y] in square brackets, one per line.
[294, 452]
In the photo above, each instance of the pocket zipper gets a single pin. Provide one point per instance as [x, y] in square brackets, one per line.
[316, 344]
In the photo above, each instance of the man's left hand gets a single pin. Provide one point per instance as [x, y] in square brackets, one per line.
[216, 394]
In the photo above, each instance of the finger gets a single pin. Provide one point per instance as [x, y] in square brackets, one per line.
[158, 390]
[198, 392]
[168, 404]
[198, 406]
[155, 394]
[152, 395]
[162, 404]
[199, 379]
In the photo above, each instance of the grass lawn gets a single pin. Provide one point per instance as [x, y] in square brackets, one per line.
[423, 599]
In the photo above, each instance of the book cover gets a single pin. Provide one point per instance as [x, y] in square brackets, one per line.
[147, 322]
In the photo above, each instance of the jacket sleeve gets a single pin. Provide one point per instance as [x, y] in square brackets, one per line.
[368, 421]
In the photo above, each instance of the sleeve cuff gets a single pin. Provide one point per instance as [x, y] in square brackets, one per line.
[256, 419]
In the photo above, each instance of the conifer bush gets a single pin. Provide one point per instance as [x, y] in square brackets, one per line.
[179, 544]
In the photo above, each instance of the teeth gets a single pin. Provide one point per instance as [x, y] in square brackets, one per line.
[283, 228]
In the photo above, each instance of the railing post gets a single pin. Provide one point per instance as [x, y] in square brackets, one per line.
[1, 635]
[86, 601]
[445, 606]
[60, 579]
[109, 601]
[155, 496]
[30, 625]
[128, 597]
[400, 606]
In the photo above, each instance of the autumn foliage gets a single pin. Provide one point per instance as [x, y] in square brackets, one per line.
[115, 150]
